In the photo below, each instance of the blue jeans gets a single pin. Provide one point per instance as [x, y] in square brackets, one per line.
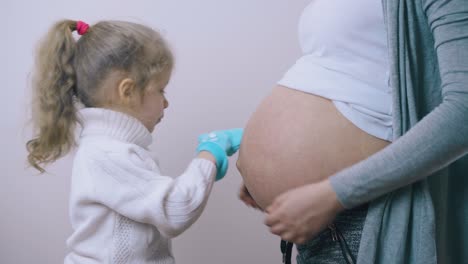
[325, 249]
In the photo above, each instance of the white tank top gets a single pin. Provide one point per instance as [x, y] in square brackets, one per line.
[345, 59]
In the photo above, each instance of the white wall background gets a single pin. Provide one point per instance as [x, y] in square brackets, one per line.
[229, 55]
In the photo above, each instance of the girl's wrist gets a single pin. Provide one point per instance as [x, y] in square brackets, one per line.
[207, 156]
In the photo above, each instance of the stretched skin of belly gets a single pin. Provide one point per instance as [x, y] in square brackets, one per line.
[295, 138]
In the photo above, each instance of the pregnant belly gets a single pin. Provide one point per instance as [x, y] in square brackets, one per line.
[295, 138]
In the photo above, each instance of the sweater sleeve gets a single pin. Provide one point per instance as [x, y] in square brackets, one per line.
[139, 193]
[437, 140]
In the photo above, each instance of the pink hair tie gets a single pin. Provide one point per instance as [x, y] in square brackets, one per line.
[81, 27]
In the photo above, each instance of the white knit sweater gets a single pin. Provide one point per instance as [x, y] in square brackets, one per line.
[122, 209]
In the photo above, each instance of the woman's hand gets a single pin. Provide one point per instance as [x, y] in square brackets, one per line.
[245, 197]
[299, 214]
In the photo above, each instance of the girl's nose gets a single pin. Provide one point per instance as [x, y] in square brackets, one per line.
[166, 103]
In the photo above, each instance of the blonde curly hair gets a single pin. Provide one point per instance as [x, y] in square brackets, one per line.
[68, 71]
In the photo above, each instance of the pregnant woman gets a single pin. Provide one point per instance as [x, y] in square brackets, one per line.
[377, 103]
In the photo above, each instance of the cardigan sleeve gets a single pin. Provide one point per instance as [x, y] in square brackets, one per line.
[438, 139]
[139, 193]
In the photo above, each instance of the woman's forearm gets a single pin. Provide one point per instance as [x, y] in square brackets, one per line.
[435, 142]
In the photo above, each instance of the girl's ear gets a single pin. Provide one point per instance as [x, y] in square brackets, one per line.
[127, 91]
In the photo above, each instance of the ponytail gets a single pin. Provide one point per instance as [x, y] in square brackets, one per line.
[68, 70]
[54, 87]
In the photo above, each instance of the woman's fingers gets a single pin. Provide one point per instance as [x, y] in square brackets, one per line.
[274, 214]
[278, 229]
[274, 206]
[272, 219]
[300, 213]
[244, 194]
[245, 197]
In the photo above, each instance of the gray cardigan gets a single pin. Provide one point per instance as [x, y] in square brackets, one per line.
[418, 185]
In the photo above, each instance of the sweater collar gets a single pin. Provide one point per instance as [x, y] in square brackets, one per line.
[113, 124]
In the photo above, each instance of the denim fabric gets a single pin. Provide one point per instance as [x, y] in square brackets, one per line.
[323, 250]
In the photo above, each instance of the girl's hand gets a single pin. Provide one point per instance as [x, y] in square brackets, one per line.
[229, 140]
[221, 144]
[245, 197]
[300, 214]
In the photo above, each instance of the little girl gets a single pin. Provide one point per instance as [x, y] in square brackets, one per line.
[122, 209]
